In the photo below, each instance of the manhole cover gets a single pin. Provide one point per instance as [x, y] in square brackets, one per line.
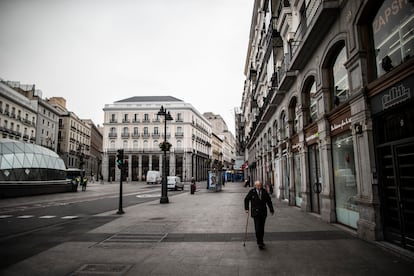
[102, 269]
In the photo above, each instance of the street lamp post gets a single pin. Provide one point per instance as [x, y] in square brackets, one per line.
[167, 117]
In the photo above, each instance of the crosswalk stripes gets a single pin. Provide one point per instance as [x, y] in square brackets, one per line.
[40, 217]
[25, 216]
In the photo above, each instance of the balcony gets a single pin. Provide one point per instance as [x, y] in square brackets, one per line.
[320, 15]
[135, 135]
[134, 121]
[179, 134]
[113, 121]
[125, 121]
[146, 121]
[125, 135]
[112, 135]
[145, 135]
[156, 135]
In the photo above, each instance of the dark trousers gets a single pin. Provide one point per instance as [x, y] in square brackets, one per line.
[259, 225]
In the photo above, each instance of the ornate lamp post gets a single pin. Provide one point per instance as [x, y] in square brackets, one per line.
[164, 147]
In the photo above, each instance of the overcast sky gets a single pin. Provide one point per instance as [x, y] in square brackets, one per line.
[96, 52]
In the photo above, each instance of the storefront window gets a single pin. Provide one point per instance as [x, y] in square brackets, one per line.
[345, 182]
[298, 179]
[340, 79]
[393, 34]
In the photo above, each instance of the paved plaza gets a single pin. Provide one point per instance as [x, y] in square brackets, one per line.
[203, 234]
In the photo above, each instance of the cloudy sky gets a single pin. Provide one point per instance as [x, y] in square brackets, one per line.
[96, 52]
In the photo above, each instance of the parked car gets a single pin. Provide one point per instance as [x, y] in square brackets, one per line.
[174, 183]
[153, 177]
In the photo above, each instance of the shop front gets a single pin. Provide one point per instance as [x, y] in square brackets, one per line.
[314, 166]
[393, 124]
[343, 163]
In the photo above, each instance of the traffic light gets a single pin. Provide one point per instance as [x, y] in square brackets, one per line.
[120, 158]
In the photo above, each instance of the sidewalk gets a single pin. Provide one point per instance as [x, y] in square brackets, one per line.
[202, 234]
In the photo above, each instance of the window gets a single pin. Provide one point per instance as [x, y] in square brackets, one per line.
[113, 130]
[179, 117]
[283, 125]
[135, 131]
[113, 118]
[313, 107]
[392, 29]
[156, 130]
[135, 118]
[125, 118]
[146, 117]
[146, 130]
[293, 116]
[125, 144]
[340, 79]
[125, 131]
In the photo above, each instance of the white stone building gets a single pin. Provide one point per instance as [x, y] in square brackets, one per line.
[134, 125]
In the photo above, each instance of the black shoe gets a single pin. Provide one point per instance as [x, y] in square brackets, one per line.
[261, 246]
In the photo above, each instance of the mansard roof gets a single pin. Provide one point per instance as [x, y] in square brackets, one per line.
[149, 99]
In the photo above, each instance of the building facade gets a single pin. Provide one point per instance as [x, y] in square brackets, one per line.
[18, 114]
[134, 125]
[95, 157]
[327, 108]
[74, 137]
[219, 127]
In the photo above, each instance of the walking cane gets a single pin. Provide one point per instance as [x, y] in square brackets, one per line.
[245, 232]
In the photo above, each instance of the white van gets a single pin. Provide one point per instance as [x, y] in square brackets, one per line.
[153, 177]
[174, 183]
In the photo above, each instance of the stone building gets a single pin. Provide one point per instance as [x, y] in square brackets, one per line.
[327, 111]
[18, 113]
[74, 137]
[134, 125]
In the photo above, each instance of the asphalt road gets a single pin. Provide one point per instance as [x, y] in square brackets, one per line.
[31, 228]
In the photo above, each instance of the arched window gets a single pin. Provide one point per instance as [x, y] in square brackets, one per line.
[145, 144]
[112, 144]
[156, 144]
[283, 126]
[179, 144]
[340, 89]
[275, 137]
[293, 118]
[125, 144]
[113, 130]
[309, 101]
[135, 144]
[313, 103]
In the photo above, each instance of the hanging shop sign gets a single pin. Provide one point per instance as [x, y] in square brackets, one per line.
[340, 122]
[396, 95]
[312, 135]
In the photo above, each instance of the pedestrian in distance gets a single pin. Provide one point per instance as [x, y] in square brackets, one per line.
[84, 183]
[258, 199]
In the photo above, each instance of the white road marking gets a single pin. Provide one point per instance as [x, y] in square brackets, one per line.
[5, 216]
[47, 217]
[25, 217]
[69, 217]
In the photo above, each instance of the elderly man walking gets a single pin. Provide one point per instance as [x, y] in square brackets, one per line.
[259, 198]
